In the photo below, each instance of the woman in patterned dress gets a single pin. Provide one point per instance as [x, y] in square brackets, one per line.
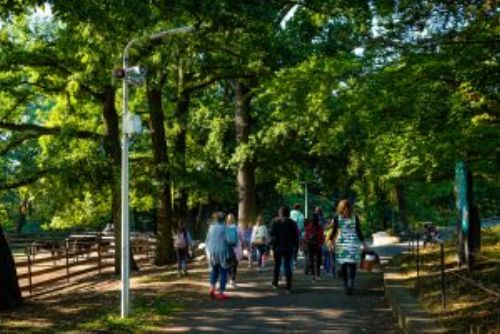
[348, 242]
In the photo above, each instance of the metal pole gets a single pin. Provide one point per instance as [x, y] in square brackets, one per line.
[99, 264]
[443, 278]
[418, 260]
[125, 238]
[305, 199]
[409, 241]
[125, 279]
[29, 270]
[67, 259]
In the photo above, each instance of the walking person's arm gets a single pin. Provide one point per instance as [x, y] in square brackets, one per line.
[335, 229]
[296, 237]
[273, 234]
[359, 233]
[254, 232]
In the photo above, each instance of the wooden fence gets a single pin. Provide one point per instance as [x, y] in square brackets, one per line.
[47, 262]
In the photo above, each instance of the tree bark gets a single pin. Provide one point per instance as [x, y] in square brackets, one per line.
[246, 171]
[401, 197]
[23, 210]
[10, 293]
[113, 150]
[474, 231]
[164, 249]
[181, 115]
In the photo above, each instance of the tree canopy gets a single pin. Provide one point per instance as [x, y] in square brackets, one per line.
[373, 100]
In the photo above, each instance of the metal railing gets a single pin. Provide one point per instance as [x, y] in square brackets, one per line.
[49, 261]
[445, 272]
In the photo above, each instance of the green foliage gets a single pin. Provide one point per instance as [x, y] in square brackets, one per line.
[420, 96]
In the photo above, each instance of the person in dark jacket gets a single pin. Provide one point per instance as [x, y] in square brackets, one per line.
[314, 240]
[348, 241]
[284, 242]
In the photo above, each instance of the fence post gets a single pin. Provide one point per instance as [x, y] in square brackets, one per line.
[66, 246]
[28, 251]
[412, 243]
[443, 278]
[409, 240]
[418, 260]
[99, 252]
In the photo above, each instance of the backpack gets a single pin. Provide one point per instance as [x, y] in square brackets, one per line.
[180, 239]
[260, 235]
[313, 239]
[232, 236]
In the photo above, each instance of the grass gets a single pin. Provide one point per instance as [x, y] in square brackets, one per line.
[93, 307]
[148, 315]
[468, 307]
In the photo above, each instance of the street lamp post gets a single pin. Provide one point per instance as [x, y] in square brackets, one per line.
[305, 199]
[127, 130]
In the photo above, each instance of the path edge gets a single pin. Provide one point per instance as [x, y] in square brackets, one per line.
[408, 312]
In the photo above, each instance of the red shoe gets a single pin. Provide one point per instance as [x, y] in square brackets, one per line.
[211, 291]
[221, 296]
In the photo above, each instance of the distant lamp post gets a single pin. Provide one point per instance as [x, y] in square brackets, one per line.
[305, 198]
[131, 124]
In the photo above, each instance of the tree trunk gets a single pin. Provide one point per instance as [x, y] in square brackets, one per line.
[23, 213]
[474, 231]
[400, 194]
[113, 151]
[246, 170]
[181, 115]
[10, 293]
[164, 218]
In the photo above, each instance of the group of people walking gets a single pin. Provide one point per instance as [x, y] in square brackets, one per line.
[338, 241]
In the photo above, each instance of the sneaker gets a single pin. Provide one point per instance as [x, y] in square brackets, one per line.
[211, 292]
[221, 296]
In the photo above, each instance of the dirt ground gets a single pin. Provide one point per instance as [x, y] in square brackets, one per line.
[253, 306]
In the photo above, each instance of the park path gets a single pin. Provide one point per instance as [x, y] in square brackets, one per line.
[313, 306]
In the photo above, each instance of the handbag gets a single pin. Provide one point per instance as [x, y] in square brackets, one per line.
[368, 260]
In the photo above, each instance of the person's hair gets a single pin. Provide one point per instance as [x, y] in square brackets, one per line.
[297, 206]
[218, 216]
[344, 209]
[284, 211]
[259, 220]
[230, 218]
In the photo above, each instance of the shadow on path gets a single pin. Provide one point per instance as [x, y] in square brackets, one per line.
[313, 306]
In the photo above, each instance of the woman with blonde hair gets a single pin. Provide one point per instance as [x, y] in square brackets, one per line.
[348, 242]
[260, 239]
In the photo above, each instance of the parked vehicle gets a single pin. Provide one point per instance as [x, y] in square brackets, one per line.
[431, 235]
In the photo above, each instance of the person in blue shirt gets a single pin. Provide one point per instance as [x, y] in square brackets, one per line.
[217, 250]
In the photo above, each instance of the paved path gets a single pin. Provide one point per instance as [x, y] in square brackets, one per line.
[319, 307]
